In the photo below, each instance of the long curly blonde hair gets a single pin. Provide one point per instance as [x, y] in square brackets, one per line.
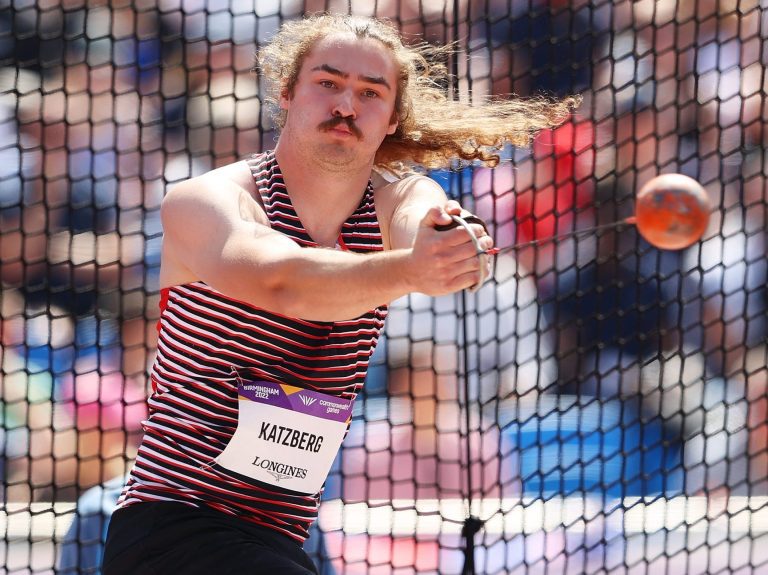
[433, 130]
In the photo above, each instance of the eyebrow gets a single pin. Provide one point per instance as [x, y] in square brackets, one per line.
[336, 72]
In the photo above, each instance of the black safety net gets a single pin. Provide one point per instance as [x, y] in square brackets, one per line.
[598, 406]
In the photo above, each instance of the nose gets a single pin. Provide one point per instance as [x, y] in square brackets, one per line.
[344, 106]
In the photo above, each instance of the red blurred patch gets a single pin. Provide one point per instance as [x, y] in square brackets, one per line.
[564, 161]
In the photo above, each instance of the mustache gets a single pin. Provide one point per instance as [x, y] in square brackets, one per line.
[336, 120]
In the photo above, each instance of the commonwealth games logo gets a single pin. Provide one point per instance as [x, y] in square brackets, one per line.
[307, 400]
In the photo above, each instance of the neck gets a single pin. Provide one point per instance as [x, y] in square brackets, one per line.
[306, 176]
[323, 198]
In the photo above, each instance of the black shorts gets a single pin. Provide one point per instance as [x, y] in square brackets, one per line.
[161, 538]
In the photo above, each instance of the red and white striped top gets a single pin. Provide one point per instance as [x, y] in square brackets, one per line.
[207, 340]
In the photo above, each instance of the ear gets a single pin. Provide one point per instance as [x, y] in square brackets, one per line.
[393, 124]
[285, 99]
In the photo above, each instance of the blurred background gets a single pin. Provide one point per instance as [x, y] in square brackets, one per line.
[600, 405]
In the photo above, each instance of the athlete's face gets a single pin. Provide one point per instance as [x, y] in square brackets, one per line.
[342, 106]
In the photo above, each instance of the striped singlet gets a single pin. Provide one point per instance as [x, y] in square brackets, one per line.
[207, 340]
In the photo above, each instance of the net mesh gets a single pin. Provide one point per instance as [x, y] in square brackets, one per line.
[598, 407]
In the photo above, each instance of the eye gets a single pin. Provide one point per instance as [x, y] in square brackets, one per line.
[370, 94]
[327, 83]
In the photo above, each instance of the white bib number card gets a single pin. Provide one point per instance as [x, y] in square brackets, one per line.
[286, 436]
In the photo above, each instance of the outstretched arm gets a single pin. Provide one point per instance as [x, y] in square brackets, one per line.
[217, 233]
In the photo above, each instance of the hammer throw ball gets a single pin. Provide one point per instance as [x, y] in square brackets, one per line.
[672, 211]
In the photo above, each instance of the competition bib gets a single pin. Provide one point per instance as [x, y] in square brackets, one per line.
[286, 436]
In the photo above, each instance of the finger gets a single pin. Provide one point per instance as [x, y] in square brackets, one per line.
[473, 219]
[460, 224]
[478, 230]
[467, 270]
[453, 207]
[455, 237]
[465, 254]
[436, 216]
[460, 236]
[466, 280]
[479, 270]
[484, 272]
[481, 263]
[464, 259]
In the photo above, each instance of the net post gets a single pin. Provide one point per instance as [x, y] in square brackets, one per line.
[469, 529]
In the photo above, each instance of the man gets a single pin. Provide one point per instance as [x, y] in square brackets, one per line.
[276, 275]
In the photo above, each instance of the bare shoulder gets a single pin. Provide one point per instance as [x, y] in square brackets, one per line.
[200, 215]
[412, 187]
[238, 173]
[231, 176]
[413, 195]
[226, 191]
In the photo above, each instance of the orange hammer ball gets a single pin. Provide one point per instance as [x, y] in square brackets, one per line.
[671, 211]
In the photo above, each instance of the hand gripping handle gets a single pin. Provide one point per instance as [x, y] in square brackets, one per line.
[482, 254]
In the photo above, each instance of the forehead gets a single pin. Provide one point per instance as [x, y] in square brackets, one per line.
[354, 56]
